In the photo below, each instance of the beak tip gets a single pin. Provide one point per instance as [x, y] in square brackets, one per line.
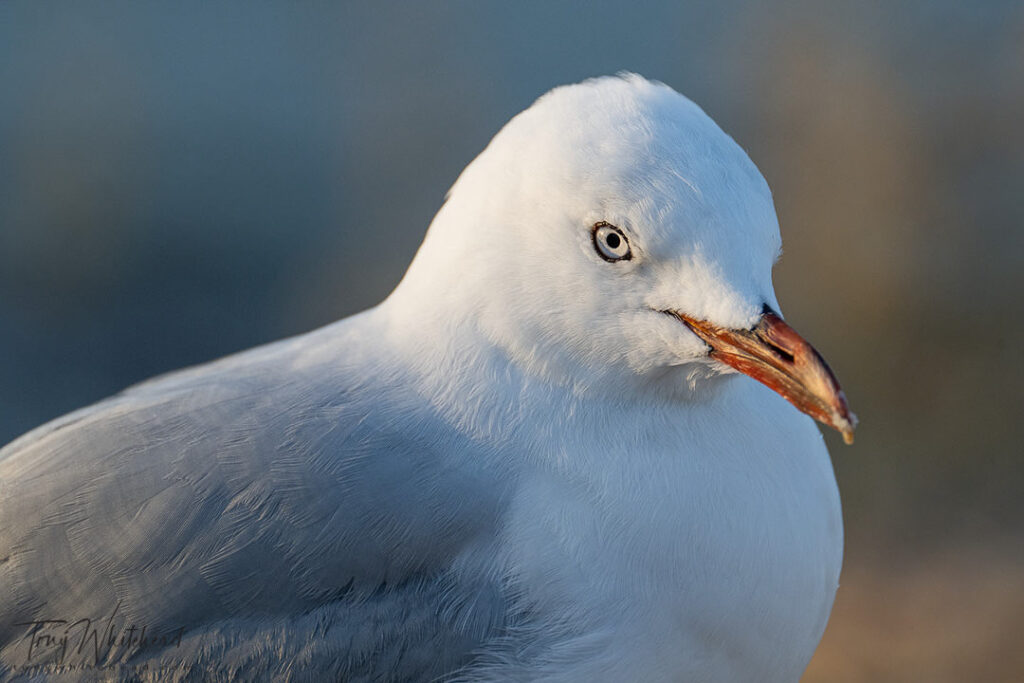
[845, 423]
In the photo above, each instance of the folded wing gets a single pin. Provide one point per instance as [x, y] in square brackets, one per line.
[263, 512]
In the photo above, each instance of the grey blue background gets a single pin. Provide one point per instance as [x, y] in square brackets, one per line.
[178, 182]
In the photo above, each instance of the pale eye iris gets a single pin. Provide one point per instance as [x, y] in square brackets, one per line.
[611, 243]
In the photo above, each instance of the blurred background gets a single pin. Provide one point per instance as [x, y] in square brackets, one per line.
[181, 182]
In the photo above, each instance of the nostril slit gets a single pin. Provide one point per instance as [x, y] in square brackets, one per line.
[780, 352]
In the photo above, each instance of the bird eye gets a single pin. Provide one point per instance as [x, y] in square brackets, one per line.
[611, 243]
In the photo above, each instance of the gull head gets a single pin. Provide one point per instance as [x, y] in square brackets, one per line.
[613, 235]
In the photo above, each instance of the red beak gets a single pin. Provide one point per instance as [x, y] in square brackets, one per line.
[774, 354]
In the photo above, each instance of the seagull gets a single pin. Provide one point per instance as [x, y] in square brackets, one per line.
[576, 443]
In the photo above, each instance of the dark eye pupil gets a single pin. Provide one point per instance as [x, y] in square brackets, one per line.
[613, 240]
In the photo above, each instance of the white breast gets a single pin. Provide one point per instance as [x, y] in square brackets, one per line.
[699, 543]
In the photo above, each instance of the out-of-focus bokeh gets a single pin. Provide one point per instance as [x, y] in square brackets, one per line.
[181, 181]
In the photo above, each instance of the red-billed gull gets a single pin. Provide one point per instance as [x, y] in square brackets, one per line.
[538, 459]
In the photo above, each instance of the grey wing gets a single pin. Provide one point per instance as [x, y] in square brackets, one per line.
[253, 517]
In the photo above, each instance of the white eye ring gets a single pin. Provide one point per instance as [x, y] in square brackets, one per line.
[611, 243]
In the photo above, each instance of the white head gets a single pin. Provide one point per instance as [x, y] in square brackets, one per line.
[591, 215]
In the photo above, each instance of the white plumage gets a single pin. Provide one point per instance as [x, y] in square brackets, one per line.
[517, 467]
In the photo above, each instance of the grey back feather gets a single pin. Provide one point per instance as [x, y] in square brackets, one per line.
[273, 515]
